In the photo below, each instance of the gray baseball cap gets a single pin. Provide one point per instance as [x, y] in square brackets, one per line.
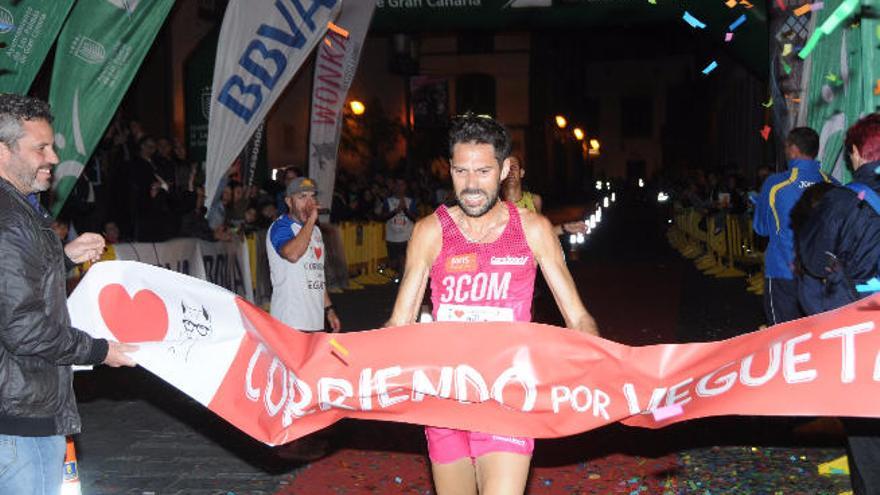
[301, 184]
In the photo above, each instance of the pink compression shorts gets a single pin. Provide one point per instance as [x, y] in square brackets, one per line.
[446, 445]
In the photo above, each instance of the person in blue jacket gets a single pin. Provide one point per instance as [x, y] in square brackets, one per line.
[838, 249]
[772, 219]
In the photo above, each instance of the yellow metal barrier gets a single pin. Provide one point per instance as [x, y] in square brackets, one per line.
[727, 251]
[365, 252]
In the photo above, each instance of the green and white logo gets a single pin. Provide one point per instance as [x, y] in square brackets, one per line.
[7, 20]
[89, 50]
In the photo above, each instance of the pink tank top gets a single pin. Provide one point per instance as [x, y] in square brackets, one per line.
[473, 281]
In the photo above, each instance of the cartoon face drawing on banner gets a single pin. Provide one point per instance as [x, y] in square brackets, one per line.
[195, 326]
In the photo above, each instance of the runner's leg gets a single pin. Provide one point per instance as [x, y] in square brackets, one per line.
[502, 473]
[455, 478]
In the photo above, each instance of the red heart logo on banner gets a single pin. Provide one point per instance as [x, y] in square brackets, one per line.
[142, 318]
[459, 313]
[318, 252]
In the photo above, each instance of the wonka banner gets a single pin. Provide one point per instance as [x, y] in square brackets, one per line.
[335, 65]
[29, 29]
[262, 46]
[99, 52]
[278, 384]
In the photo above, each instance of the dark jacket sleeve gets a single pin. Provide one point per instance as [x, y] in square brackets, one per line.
[28, 327]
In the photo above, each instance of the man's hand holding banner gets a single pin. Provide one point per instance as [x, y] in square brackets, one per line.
[278, 384]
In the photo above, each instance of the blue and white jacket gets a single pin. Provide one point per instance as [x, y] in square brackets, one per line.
[772, 219]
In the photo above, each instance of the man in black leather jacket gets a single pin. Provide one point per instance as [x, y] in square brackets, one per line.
[37, 343]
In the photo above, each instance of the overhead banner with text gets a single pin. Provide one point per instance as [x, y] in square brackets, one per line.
[29, 30]
[262, 46]
[277, 384]
[99, 52]
[335, 66]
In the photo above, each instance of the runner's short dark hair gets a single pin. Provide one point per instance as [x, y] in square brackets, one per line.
[470, 128]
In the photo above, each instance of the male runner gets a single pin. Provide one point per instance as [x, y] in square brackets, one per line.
[512, 190]
[464, 250]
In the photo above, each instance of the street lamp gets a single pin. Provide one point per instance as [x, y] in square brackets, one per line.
[357, 107]
[561, 122]
[578, 133]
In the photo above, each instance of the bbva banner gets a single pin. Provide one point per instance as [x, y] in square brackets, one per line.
[262, 46]
[278, 384]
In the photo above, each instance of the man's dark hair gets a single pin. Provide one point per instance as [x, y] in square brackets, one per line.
[480, 129]
[805, 139]
[14, 110]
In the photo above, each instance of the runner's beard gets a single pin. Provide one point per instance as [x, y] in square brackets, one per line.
[491, 200]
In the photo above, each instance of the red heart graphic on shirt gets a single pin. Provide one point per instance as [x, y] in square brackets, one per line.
[142, 318]
[458, 313]
[318, 252]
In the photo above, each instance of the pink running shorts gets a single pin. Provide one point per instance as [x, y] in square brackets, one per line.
[446, 445]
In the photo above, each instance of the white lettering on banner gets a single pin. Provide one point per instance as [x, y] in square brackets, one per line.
[338, 385]
[726, 382]
[465, 375]
[476, 288]
[781, 355]
[790, 360]
[422, 385]
[291, 387]
[596, 398]
[267, 74]
[281, 389]
[525, 377]
[674, 397]
[847, 348]
[772, 367]
[382, 376]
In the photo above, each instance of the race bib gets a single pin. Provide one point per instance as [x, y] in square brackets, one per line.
[455, 312]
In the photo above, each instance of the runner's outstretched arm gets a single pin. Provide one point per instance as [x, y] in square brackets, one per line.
[548, 253]
[423, 248]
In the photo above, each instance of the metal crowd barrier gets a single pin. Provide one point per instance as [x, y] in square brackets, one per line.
[725, 248]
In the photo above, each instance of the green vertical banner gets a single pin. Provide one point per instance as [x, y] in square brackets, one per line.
[99, 52]
[27, 30]
[843, 72]
[198, 76]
